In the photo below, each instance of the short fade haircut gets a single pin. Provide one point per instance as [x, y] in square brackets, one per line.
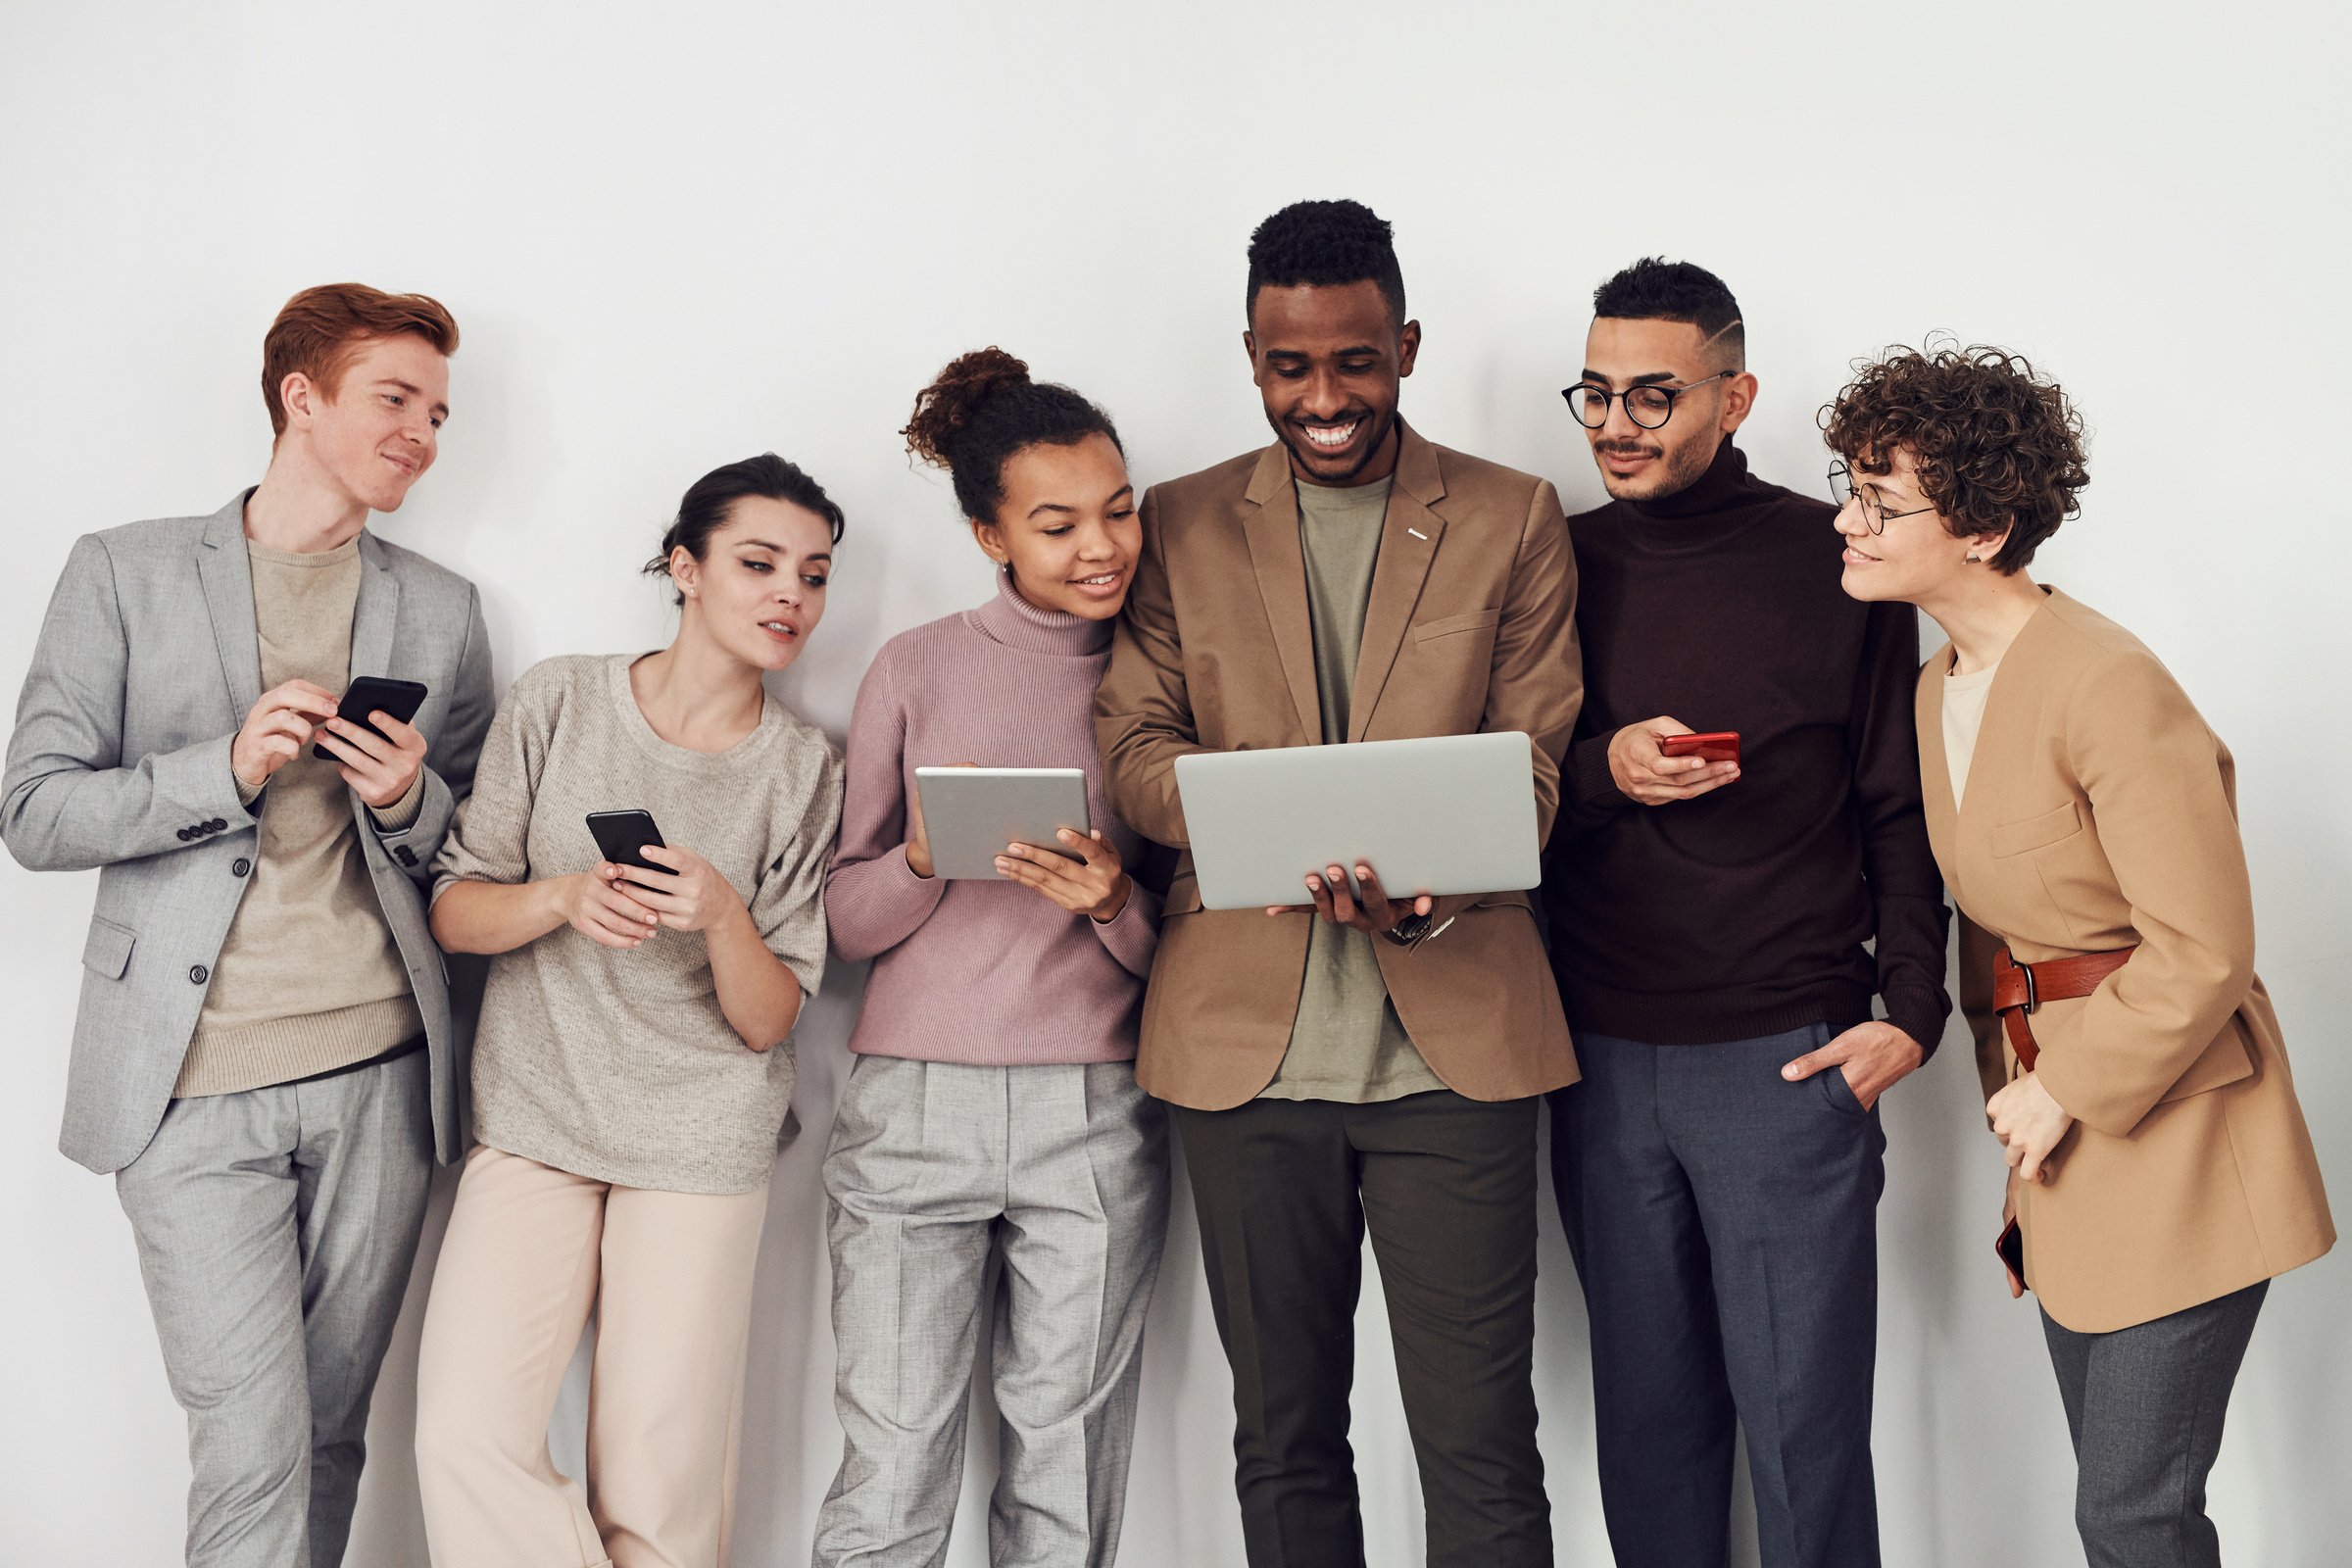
[1325, 245]
[322, 330]
[1655, 289]
[1997, 446]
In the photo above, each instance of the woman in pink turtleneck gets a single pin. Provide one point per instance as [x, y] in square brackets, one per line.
[992, 1113]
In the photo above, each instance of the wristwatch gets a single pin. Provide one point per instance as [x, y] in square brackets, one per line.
[1408, 931]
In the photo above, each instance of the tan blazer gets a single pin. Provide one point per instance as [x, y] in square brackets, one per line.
[2100, 813]
[1470, 628]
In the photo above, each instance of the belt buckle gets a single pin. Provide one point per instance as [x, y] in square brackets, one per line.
[2033, 993]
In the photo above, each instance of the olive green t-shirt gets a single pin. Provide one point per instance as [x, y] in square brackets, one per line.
[1348, 1043]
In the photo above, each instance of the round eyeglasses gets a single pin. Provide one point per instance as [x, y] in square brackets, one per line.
[1648, 406]
[1842, 489]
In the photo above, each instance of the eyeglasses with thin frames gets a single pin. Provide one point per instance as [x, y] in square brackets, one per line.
[1842, 489]
[1648, 406]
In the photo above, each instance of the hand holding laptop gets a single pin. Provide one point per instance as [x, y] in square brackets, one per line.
[1368, 908]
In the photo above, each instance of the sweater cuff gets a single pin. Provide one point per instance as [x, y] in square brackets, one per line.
[1589, 770]
[401, 815]
[1131, 935]
[1920, 1013]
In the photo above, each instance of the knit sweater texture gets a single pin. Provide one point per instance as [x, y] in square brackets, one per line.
[982, 972]
[619, 1065]
[1751, 909]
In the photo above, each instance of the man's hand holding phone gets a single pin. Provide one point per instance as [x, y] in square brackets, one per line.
[279, 726]
[380, 764]
[1647, 775]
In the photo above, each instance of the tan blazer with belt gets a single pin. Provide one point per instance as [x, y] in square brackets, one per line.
[1470, 628]
[2100, 813]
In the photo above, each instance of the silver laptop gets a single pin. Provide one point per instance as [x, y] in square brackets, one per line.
[1451, 814]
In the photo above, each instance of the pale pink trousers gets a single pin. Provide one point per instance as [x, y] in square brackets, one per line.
[530, 1249]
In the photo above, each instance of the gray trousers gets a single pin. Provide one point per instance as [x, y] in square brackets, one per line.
[2144, 1406]
[276, 1229]
[1724, 1223]
[1061, 1175]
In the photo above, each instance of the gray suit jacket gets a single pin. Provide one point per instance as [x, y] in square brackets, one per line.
[147, 666]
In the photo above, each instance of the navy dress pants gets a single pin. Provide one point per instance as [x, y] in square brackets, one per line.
[1724, 1222]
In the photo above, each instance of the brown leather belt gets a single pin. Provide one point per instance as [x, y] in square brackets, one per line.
[2019, 988]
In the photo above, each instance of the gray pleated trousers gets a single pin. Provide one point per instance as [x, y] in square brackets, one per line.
[275, 1230]
[2144, 1406]
[935, 1169]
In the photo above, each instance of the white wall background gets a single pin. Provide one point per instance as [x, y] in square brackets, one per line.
[678, 235]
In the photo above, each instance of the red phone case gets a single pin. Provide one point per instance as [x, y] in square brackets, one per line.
[1716, 746]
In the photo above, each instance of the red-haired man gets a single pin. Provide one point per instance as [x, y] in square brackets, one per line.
[264, 1056]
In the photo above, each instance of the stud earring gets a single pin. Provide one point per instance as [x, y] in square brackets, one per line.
[1975, 560]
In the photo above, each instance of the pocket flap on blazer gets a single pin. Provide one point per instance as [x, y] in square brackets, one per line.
[107, 953]
[2035, 832]
[2225, 1062]
[1446, 626]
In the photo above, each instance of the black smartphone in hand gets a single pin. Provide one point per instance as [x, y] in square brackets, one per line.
[620, 835]
[2012, 1249]
[374, 694]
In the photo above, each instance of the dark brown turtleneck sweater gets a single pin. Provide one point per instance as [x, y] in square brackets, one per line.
[1745, 912]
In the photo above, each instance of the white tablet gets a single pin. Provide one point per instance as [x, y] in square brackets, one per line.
[1451, 814]
[970, 815]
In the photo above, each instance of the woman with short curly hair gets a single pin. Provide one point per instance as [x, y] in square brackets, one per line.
[2086, 822]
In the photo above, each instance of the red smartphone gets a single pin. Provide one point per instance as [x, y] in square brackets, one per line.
[2012, 1250]
[1716, 746]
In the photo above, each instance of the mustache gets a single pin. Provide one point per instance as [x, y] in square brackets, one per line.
[1629, 449]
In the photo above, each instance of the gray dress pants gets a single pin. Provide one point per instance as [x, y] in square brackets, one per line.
[2144, 1406]
[1059, 1173]
[1724, 1223]
[276, 1229]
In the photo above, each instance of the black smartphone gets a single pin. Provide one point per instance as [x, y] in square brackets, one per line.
[374, 694]
[2012, 1249]
[620, 835]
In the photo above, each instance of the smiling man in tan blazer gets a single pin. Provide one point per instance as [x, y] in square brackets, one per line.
[1361, 1063]
[2086, 819]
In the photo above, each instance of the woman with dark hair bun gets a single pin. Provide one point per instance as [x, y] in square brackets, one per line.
[2085, 821]
[634, 1060]
[993, 1116]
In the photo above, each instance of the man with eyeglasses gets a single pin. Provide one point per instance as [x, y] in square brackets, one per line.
[1713, 925]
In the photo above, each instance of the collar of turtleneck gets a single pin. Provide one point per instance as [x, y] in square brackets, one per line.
[1015, 622]
[1720, 502]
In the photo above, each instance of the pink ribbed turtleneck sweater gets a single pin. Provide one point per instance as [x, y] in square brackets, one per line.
[988, 973]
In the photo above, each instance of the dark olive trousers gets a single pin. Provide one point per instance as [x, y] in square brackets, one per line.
[1287, 1191]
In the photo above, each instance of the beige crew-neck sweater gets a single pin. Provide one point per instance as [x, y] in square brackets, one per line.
[309, 979]
[1964, 697]
[1346, 1043]
[619, 1065]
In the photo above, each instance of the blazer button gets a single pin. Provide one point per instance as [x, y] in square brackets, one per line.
[199, 974]
[217, 825]
[184, 834]
[241, 866]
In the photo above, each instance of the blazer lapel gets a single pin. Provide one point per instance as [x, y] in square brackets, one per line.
[1270, 523]
[1408, 543]
[376, 612]
[227, 572]
[1935, 763]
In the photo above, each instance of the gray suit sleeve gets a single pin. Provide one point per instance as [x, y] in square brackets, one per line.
[68, 804]
[449, 768]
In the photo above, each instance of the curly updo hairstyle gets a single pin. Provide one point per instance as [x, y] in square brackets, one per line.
[710, 501]
[983, 409]
[1997, 445]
